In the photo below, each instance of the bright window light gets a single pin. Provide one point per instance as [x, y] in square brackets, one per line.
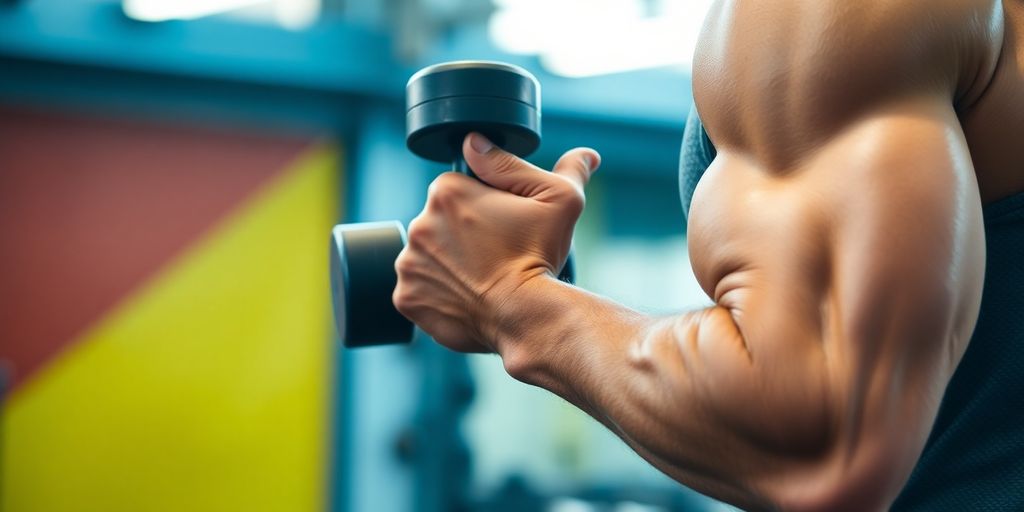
[292, 14]
[579, 38]
[163, 10]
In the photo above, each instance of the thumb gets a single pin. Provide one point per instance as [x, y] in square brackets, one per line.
[578, 165]
[503, 170]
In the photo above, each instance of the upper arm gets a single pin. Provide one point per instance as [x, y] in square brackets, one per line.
[838, 230]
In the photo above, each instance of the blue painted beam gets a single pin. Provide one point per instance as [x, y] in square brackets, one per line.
[332, 56]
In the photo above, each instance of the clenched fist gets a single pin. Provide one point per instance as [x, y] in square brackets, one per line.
[477, 242]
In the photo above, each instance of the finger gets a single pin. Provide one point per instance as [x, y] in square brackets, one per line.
[451, 188]
[578, 165]
[503, 170]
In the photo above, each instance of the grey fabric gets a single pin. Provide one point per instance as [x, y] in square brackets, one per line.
[694, 158]
[974, 458]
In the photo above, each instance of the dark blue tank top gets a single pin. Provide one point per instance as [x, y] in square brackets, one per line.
[974, 457]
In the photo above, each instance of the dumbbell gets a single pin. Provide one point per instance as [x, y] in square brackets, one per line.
[444, 103]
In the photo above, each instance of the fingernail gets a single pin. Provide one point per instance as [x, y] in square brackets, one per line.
[588, 160]
[480, 144]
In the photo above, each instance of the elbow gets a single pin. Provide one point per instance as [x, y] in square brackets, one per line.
[863, 475]
[839, 490]
[829, 450]
[837, 459]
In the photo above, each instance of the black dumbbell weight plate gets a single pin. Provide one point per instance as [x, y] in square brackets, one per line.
[363, 279]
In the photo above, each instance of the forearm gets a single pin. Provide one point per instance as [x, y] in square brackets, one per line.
[681, 390]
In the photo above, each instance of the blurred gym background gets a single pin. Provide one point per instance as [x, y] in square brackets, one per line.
[169, 173]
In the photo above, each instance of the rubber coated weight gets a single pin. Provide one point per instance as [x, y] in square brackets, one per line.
[445, 102]
[362, 280]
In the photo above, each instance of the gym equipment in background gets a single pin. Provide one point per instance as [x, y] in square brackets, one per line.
[444, 103]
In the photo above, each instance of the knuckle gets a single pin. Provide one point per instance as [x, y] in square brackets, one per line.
[444, 191]
[402, 300]
[575, 202]
[419, 233]
[404, 266]
[570, 196]
[504, 162]
[404, 297]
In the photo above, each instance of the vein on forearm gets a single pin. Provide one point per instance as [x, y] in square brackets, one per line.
[656, 382]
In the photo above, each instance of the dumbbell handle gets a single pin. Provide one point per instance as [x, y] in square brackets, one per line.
[460, 166]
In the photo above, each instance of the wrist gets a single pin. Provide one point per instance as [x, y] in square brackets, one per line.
[533, 320]
[548, 330]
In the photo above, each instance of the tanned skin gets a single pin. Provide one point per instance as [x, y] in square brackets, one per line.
[839, 233]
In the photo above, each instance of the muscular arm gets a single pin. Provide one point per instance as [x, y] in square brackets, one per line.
[839, 234]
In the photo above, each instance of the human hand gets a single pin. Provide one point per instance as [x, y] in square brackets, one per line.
[477, 242]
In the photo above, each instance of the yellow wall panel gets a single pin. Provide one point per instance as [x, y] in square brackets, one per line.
[205, 390]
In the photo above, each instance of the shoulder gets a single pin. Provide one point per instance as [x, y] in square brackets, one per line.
[805, 68]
